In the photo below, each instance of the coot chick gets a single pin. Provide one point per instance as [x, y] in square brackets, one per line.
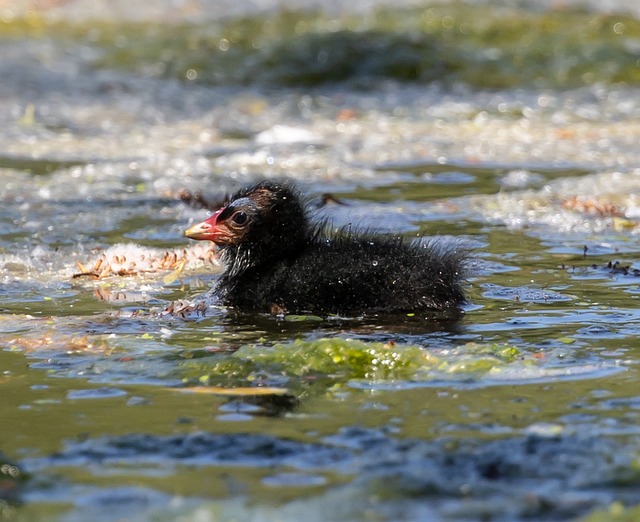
[277, 261]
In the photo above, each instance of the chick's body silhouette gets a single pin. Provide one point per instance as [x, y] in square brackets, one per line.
[277, 261]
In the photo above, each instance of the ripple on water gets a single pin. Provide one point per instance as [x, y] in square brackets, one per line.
[441, 472]
[294, 480]
[523, 294]
[95, 393]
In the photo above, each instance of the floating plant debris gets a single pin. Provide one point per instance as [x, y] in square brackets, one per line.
[183, 308]
[132, 260]
[592, 206]
[198, 200]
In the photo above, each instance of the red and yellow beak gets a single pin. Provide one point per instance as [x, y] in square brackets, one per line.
[210, 230]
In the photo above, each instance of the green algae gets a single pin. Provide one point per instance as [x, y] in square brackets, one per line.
[615, 513]
[483, 46]
[328, 362]
[342, 358]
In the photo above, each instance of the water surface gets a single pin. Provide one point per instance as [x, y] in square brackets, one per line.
[129, 392]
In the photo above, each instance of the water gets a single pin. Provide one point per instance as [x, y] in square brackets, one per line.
[129, 393]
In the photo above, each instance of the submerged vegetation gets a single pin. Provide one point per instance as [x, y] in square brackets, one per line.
[479, 45]
[327, 364]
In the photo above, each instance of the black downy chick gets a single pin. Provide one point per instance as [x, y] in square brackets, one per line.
[277, 261]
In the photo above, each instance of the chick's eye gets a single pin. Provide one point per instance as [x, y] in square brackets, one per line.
[239, 218]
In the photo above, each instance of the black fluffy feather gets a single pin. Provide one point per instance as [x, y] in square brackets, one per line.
[283, 263]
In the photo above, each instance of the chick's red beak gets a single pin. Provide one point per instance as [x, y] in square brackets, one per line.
[210, 229]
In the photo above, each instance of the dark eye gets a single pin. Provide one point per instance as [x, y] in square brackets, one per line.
[239, 218]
